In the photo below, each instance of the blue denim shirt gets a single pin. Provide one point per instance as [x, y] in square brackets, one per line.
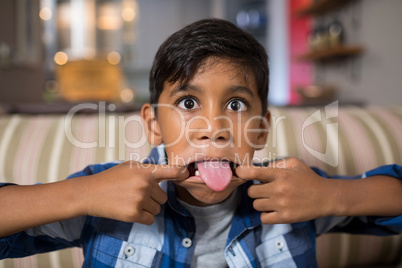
[168, 241]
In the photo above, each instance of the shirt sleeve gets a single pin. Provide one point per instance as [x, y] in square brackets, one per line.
[5, 184]
[366, 224]
[49, 237]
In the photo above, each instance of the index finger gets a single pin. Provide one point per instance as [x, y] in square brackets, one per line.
[169, 172]
[263, 174]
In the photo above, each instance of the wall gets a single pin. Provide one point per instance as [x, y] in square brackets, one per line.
[18, 84]
[376, 76]
[300, 73]
[278, 51]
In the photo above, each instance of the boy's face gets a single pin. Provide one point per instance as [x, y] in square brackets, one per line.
[216, 116]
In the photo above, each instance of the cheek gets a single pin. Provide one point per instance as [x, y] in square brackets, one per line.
[171, 126]
[246, 133]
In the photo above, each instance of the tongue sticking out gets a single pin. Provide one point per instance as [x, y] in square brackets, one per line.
[216, 174]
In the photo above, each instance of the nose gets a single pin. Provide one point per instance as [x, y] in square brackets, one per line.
[212, 127]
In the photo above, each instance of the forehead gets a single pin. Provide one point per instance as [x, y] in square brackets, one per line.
[217, 72]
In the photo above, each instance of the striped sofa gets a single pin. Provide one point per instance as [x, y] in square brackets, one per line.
[341, 140]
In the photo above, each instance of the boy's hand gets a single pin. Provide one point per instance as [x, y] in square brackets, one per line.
[290, 191]
[128, 192]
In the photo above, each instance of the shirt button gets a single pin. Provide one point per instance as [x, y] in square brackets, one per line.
[279, 244]
[129, 251]
[186, 242]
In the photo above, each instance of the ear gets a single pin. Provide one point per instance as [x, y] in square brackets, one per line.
[265, 127]
[151, 127]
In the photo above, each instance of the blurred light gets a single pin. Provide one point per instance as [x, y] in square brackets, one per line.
[128, 14]
[242, 19]
[45, 14]
[114, 57]
[126, 95]
[109, 18]
[109, 23]
[254, 17]
[61, 58]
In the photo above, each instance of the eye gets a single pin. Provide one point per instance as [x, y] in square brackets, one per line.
[237, 105]
[188, 104]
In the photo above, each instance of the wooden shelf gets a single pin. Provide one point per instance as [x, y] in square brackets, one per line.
[322, 7]
[331, 53]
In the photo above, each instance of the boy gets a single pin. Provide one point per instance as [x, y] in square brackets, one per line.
[198, 200]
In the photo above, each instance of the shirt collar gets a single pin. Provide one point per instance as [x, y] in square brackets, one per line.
[246, 217]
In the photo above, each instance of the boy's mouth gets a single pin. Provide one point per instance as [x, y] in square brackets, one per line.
[216, 174]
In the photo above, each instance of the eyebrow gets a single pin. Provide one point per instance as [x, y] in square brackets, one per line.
[184, 88]
[189, 88]
[242, 89]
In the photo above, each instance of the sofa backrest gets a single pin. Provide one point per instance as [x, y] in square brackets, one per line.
[341, 140]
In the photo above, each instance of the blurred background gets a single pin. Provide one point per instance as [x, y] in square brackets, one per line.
[56, 53]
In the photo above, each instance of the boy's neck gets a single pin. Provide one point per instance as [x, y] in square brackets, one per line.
[183, 195]
[228, 205]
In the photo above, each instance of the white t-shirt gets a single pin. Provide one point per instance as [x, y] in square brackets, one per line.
[212, 230]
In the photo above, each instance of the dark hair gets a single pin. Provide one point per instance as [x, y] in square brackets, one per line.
[183, 53]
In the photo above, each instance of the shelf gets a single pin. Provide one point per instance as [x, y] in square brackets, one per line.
[322, 7]
[331, 53]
